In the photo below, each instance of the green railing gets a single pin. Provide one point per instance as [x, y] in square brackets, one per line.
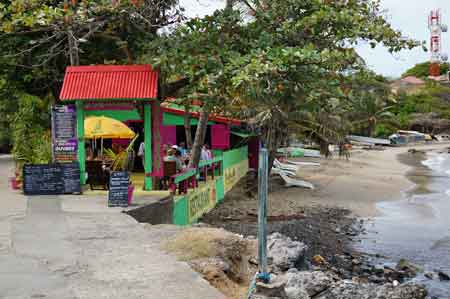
[188, 173]
[188, 179]
[215, 160]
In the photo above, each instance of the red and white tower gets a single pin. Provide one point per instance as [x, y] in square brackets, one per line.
[436, 28]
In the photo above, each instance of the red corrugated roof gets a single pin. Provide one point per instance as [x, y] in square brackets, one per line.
[109, 82]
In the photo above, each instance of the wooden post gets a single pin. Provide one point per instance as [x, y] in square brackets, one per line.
[80, 136]
[148, 146]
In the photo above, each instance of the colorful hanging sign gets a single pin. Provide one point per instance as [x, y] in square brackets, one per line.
[64, 133]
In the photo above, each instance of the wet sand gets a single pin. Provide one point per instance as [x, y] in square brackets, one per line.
[358, 185]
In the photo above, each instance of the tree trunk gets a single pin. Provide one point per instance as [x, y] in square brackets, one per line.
[272, 151]
[273, 138]
[73, 49]
[187, 126]
[371, 128]
[199, 139]
[324, 147]
[129, 54]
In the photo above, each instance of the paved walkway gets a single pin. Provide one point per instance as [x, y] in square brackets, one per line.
[73, 247]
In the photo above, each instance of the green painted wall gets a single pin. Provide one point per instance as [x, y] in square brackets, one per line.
[121, 115]
[232, 160]
[180, 211]
[220, 194]
[235, 156]
[80, 136]
[148, 162]
[217, 153]
[170, 119]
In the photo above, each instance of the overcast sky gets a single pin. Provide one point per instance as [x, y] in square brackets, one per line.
[410, 16]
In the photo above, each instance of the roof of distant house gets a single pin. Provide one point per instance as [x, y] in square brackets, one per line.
[412, 80]
[106, 82]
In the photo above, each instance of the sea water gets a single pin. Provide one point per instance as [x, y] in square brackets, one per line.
[417, 227]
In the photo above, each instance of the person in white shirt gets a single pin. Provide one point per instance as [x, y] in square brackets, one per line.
[141, 153]
[206, 153]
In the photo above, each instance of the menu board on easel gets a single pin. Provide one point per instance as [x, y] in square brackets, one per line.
[51, 179]
[71, 177]
[64, 133]
[119, 182]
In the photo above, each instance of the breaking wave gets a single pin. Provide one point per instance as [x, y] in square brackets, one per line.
[440, 164]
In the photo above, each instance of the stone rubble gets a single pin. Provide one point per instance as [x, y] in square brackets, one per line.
[311, 283]
[287, 282]
[320, 285]
[283, 253]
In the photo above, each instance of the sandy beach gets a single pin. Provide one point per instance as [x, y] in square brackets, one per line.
[359, 184]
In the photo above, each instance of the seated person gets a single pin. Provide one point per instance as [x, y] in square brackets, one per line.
[172, 156]
[187, 158]
[179, 160]
[182, 149]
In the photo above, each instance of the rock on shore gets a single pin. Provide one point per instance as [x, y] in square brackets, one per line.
[283, 253]
[344, 290]
[228, 261]
[319, 285]
[288, 282]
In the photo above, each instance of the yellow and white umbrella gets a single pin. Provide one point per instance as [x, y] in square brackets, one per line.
[104, 127]
[101, 127]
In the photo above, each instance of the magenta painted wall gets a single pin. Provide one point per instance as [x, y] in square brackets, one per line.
[220, 137]
[253, 152]
[168, 135]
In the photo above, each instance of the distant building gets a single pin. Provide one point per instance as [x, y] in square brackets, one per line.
[408, 84]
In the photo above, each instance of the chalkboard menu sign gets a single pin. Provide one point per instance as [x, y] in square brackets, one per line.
[71, 177]
[64, 133]
[51, 179]
[119, 182]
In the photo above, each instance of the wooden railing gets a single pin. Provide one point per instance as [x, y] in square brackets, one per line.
[188, 179]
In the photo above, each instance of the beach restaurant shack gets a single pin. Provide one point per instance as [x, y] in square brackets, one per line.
[129, 94]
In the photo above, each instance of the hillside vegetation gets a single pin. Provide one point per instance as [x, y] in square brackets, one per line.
[422, 70]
